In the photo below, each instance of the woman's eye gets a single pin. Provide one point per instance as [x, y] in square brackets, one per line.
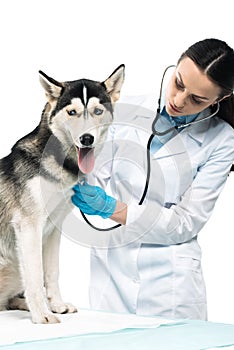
[98, 111]
[194, 100]
[178, 84]
[72, 112]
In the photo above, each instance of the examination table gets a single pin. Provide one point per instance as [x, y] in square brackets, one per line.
[100, 330]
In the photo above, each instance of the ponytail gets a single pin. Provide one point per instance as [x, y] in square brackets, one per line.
[226, 110]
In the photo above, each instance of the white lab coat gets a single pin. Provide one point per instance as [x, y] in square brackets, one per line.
[152, 265]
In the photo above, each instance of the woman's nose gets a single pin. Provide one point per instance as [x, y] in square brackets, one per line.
[179, 100]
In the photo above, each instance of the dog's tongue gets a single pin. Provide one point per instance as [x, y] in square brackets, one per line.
[86, 159]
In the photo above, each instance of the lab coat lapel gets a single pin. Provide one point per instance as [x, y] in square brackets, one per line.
[182, 142]
[198, 131]
[178, 144]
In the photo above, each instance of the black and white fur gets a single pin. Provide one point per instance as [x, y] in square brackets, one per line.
[35, 187]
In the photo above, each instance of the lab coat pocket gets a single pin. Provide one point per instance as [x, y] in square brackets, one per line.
[189, 283]
[189, 263]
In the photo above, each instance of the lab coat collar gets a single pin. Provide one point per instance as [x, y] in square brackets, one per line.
[198, 131]
[178, 143]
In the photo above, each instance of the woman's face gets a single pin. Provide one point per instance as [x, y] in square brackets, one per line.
[189, 90]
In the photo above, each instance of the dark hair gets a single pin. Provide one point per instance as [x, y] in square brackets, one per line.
[216, 59]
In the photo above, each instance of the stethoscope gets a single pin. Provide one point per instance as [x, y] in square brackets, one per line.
[155, 132]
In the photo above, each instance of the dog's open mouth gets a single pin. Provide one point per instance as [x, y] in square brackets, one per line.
[85, 159]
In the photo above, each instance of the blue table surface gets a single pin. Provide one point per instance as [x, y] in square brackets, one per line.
[184, 335]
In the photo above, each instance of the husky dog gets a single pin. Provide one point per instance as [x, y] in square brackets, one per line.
[35, 187]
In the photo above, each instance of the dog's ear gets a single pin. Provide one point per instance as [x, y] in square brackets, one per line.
[52, 87]
[114, 83]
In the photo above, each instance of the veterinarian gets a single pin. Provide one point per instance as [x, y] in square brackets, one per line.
[152, 262]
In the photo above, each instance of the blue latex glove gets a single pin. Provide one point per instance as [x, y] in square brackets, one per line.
[93, 200]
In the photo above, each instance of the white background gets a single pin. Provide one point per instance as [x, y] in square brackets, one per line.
[72, 39]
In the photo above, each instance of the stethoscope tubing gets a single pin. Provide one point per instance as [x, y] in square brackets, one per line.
[155, 132]
[162, 133]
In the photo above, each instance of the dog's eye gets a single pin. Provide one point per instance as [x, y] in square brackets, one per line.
[98, 111]
[72, 112]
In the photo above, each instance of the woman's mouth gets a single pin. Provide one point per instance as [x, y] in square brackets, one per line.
[174, 108]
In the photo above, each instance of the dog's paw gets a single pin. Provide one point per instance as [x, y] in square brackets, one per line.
[45, 318]
[18, 303]
[63, 308]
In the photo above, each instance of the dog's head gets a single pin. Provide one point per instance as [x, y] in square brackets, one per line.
[79, 112]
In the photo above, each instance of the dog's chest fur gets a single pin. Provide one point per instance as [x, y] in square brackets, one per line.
[51, 201]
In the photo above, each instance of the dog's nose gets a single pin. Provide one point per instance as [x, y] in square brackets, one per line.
[86, 140]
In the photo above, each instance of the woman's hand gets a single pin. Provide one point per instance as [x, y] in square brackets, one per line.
[93, 200]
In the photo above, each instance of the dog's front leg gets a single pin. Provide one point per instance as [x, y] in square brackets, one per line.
[29, 240]
[51, 274]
